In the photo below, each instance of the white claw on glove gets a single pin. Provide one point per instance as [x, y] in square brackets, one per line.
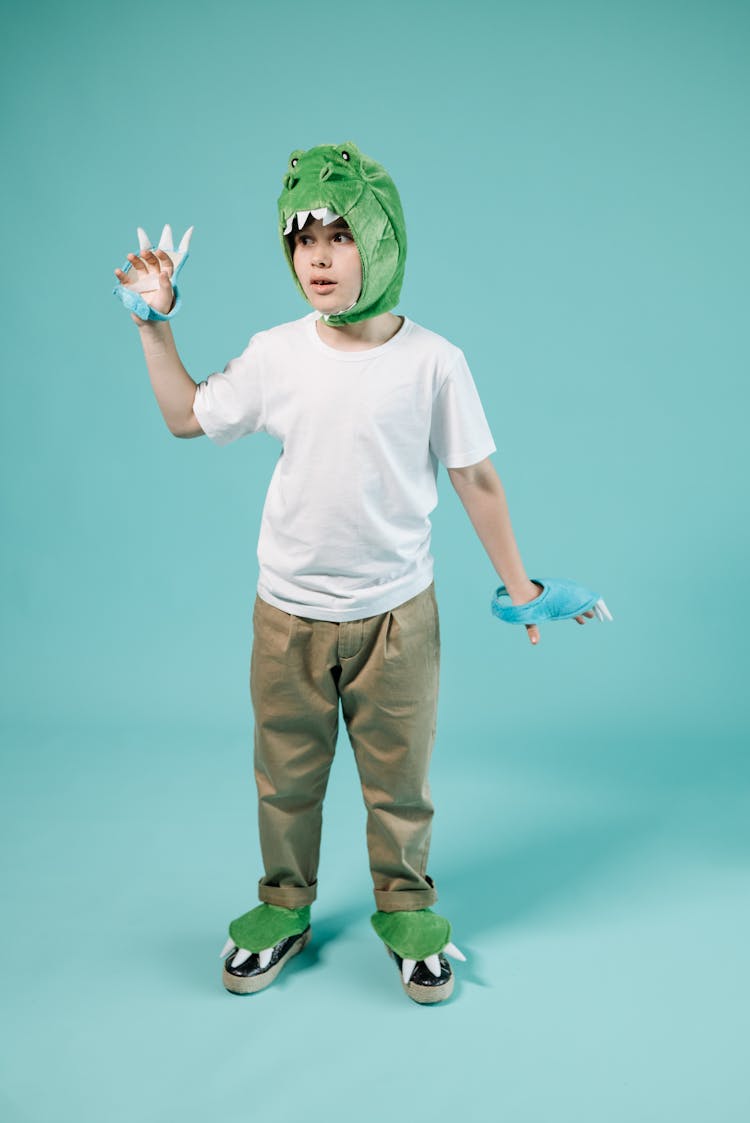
[166, 242]
[601, 610]
[149, 282]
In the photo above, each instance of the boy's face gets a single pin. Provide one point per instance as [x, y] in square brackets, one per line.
[327, 263]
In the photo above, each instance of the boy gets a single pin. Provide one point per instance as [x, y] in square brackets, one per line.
[365, 404]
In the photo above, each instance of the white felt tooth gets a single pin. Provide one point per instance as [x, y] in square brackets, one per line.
[605, 610]
[330, 217]
[144, 242]
[226, 949]
[241, 957]
[166, 242]
[432, 963]
[185, 240]
[289, 224]
[407, 969]
[319, 213]
[264, 957]
[302, 217]
[454, 952]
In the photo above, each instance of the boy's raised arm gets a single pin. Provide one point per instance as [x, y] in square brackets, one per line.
[172, 385]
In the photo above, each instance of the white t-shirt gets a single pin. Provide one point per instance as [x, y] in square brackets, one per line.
[345, 532]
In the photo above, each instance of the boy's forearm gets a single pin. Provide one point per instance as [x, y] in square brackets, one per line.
[172, 385]
[482, 494]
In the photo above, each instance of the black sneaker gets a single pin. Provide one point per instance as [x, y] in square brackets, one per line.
[423, 986]
[249, 977]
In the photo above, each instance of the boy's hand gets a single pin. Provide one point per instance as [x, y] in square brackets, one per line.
[151, 272]
[531, 592]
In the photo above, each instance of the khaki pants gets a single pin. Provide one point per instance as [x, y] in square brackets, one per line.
[384, 672]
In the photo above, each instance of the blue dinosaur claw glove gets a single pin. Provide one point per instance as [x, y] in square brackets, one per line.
[560, 599]
[130, 294]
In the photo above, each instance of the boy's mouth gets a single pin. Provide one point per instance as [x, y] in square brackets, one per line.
[323, 286]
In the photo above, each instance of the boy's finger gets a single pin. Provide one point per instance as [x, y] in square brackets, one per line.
[166, 261]
[136, 262]
[533, 633]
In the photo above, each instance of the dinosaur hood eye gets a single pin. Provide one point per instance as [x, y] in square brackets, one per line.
[345, 156]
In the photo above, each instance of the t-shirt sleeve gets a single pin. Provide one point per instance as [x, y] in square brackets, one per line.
[229, 403]
[459, 434]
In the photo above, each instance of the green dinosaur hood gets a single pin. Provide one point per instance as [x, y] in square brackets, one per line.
[341, 179]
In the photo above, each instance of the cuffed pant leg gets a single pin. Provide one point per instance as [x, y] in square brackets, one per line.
[388, 689]
[295, 704]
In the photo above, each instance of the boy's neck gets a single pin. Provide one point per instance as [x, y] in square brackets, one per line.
[362, 335]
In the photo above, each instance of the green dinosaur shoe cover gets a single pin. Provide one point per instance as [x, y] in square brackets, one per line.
[341, 180]
[266, 925]
[412, 935]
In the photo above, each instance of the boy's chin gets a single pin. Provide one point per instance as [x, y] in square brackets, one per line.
[330, 305]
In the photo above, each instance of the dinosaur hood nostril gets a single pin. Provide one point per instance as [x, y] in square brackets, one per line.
[326, 171]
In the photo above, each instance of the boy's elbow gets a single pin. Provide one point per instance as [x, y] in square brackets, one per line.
[482, 474]
[186, 429]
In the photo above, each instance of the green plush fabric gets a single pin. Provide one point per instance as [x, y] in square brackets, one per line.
[412, 935]
[360, 191]
[265, 925]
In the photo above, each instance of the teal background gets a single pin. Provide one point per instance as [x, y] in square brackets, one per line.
[575, 182]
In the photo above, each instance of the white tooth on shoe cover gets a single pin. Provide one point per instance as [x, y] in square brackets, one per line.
[264, 957]
[241, 957]
[166, 242]
[144, 242]
[226, 949]
[407, 969]
[454, 952]
[302, 217]
[289, 223]
[432, 963]
[185, 242]
[330, 217]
